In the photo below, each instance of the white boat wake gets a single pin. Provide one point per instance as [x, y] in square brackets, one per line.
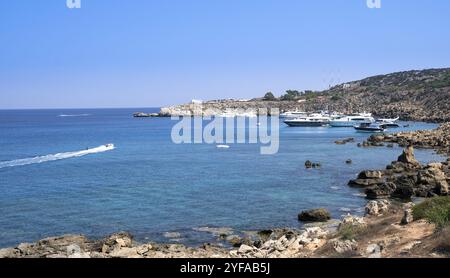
[74, 115]
[53, 157]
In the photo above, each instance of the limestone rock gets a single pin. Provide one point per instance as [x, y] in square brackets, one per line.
[345, 246]
[408, 156]
[407, 217]
[315, 215]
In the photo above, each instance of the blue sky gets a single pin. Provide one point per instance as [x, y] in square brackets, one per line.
[148, 53]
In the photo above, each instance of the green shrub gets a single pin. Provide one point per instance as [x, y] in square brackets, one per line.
[435, 210]
[350, 232]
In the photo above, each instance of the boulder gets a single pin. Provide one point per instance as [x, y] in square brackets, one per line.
[381, 191]
[408, 157]
[374, 251]
[378, 207]
[364, 182]
[349, 161]
[315, 215]
[345, 246]
[370, 175]
[117, 241]
[433, 178]
[407, 217]
[353, 221]
[244, 249]
[308, 164]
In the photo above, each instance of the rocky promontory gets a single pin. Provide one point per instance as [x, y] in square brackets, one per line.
[437, 139]
[418, 95]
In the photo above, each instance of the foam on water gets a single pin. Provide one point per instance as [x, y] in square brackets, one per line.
[53, 157]
[74, 115]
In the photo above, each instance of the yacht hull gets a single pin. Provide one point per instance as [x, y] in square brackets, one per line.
[304, 124]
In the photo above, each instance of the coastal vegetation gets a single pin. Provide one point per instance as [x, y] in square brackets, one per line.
[436, 210]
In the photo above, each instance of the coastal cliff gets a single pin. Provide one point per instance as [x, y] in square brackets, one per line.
[419, 95]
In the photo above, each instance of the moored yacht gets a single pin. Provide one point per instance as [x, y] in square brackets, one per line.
[351, 121]
[388, 123]
[369, 127]
[293, 114]
[313, 120]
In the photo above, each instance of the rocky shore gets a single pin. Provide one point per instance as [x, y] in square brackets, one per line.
[388, 228]
[437, 139]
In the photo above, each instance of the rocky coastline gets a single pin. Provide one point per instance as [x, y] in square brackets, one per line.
[422, 96]
[388, 228]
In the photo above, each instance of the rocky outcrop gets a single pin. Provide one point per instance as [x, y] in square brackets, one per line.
[404, 178]
[376, 208]
[309, 164]
[408, 157]
[438, 139]
[315, 215]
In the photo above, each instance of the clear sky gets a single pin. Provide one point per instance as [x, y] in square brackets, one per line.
[147, 53]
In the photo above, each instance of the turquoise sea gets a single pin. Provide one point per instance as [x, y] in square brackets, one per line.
[148, 185]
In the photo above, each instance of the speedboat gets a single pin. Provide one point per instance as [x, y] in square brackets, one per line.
[388, 123]
[109, 146]
[351, 121]
[313, 120]
[369, 127]
[293, 114]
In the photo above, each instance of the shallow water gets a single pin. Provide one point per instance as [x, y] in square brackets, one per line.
[148, 186]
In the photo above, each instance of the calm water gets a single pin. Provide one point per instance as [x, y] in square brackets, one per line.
[148, 185]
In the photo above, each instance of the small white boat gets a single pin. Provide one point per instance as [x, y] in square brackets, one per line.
[388, 123]
[369, 127]
[223, 146]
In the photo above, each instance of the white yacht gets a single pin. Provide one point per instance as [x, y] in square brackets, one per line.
[351, 121]
[293, 114]
[312, 120]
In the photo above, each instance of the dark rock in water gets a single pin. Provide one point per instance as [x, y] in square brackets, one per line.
[309, 164]
[390, 145]
[364, 182]
[408, 156]
[381, 191]
[370, 175]
[349, 161]
[345, 141]
[315, 215]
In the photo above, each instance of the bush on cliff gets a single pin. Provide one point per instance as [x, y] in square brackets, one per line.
[436, 210]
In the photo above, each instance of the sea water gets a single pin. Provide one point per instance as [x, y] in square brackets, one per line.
[58, 177]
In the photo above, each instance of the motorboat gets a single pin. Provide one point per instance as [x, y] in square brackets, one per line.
[388, 123]
[351, 121]
[293, 114]
[369, 127]
[314, 120]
